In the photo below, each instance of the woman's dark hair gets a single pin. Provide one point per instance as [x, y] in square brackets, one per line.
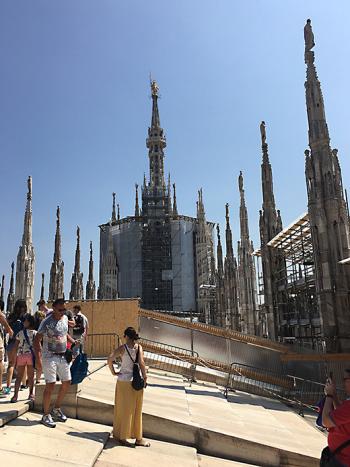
[30, 318]
[39, 316]
[19, 310]
[131, 333]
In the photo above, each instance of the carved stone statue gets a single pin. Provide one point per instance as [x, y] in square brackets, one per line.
[263, 132]
[308, 36]
[154, 88]
[240, 181]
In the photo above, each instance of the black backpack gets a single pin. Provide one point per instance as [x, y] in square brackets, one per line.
[79, 327]
[328, 457]
[137, 382]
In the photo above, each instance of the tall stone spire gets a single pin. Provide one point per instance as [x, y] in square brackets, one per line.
[246, 270]
[270, 224]
[118, 212]
[205, 274]
[114, 216]
[11, 294]
[137, 207]
[233, 319]
[220, 315]
[327, 211]
[108, 289]
[169, 196]
[175, 213]
[77, 287]
[2, 288]
[42, 289]
[25, 270]
[56, 287]
[90, 285]
[156, 143]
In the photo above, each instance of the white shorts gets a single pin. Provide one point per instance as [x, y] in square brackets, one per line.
[56, 366]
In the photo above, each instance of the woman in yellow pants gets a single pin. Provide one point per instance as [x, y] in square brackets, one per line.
[127, 421]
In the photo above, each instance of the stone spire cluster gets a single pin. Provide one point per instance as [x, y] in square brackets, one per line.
[327, 210]
[77, 287]
[56, 287]
[90, 285]
[246, 270]
[25, 270]
[108, 289]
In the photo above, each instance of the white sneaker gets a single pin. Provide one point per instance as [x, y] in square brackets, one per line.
[47, 421]
[58, 415]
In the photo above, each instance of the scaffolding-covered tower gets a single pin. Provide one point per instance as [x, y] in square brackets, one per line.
[155, 249]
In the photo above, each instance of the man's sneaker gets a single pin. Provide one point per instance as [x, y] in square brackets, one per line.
[47, 421]
[58, 415]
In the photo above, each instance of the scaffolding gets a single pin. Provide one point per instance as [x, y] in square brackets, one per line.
[296, 304]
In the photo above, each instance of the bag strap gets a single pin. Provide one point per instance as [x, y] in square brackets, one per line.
[126, 348]
[341, 447]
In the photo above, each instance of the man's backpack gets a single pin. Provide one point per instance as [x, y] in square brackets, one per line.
[79, 368]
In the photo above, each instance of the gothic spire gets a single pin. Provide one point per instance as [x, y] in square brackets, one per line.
[156, 143]
[90, 285]
[57, 257]
[219, 253]
[118, 212]
[243, 210]
[27, 231]
[25, 270]
[169, 196]
[137, 207]
[42, 289]
[175, 213]
[114, 216]
[56, 286]
[229, 247]
[2, 287]
[76, 292]
[318, 129]
[266, 172]
[11, 293]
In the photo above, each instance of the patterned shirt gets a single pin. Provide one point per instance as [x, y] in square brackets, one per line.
[54, 335]
[23, 346]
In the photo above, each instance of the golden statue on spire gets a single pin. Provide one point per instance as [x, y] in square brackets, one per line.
[154, 87]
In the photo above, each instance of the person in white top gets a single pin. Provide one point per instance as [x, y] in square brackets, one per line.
[127, 421]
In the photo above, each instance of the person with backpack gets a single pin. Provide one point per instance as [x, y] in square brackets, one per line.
[81, 326]
[25, 356]
[15, 320]
[127, 422]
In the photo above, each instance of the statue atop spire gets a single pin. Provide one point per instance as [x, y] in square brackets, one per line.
[56, 287]
[77, 288]
[263, 132]
[308, 36]
[90, 285]
[25, 271]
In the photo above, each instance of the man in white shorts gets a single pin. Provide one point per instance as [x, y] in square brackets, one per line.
[53, 332]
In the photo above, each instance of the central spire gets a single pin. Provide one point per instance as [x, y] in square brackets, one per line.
[156, 143]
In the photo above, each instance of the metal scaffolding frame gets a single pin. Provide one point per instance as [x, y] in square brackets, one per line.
[296, 306]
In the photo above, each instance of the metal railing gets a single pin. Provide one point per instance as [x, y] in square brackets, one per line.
[101, 345]
[288, 388]
[170, 358]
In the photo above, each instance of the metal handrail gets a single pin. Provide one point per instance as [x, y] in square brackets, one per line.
[171, 352]
[300, 391]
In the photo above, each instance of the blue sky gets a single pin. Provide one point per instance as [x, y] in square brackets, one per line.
[75, 107]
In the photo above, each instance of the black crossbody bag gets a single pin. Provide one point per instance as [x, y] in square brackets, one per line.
[328, 457]
[137, 382]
